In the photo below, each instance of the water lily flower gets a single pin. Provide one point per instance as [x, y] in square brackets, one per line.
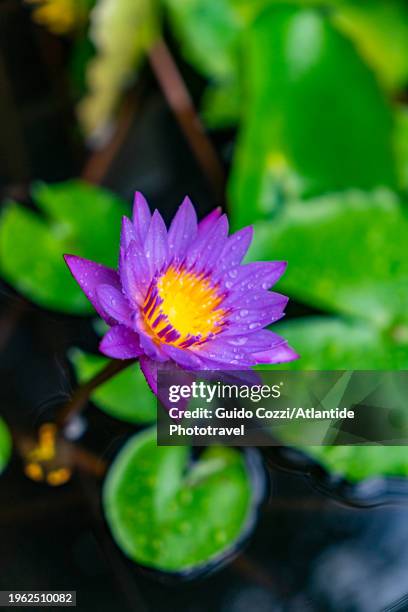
[182, 298]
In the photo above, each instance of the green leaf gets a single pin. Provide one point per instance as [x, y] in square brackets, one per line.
[122, 31]
[328, 343]
[126, 396]
[401, 144]
[5, 445]
[346, 253]
[208, 34]
[314, 119]
[379, 28]
[221, 104]
[167, 513]
[79, 219]
[357, 463]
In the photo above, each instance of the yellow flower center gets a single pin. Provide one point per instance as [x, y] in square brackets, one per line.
[182, 308]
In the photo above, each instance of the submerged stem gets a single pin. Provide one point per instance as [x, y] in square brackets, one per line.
[180, 102]
[81, 394]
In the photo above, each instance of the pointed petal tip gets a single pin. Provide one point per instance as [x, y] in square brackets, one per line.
[139, 198]
[120, 342]
[282, 354]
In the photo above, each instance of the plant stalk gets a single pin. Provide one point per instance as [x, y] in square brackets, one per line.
[180, 102]
[81, 395]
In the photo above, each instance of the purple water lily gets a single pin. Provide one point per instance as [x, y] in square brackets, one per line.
[182, 296]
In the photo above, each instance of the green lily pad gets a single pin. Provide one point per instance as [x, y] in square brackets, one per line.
[328, 343]
[5, 445]
[315, 119]
[126, 396]
[169, 513]
[346, 254]
[333, 343]
[77, 218]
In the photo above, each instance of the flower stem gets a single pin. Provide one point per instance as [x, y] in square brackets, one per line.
[180, 102]
[81, 394]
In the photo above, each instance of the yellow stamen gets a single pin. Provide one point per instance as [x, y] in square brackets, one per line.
[190, 305]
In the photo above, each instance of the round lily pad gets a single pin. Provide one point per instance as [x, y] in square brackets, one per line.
[179, 514]
[5, 445]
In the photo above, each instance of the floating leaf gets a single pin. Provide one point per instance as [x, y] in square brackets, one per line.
[78, 218]
[5, 445]
[346, 253]
[171, 514]
[315, 119]
[326, 343]
[126, 396]
[329, 343]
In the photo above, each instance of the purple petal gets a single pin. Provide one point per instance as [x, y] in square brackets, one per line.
[120, 342]
[183, 357]
[256, 275]
[267, 309]
[279, 354]
[223, 353]
[141, 216]
[128, 233]
[207, 248]
[254, 300]
[150, 348]
[183, 229]
[235, 249]
[135, 274]
[209, 221]
[115, 304]
[258, 341]
[149, 369]
[252, 322]
[156, 247]
[89, 275]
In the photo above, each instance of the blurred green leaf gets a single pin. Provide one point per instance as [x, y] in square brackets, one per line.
[360, 462]
[122, 32]
[401, 143]
[329, 343]
[78, 218]
[346, 254]
[126, 396]
[208, 34]
[221, 104]
[170, 514]
[314, 119]
[5, 445]
[379, 28]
